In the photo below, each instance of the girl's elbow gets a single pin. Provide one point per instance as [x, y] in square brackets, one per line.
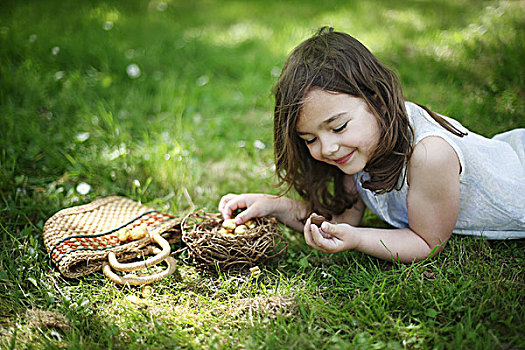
[436, 248]
[431, 249]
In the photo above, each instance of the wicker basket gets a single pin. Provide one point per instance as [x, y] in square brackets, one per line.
[87, 238]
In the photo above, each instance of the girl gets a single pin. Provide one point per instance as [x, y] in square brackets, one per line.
[345, 138]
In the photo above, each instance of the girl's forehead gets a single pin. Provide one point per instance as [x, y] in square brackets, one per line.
[317, 99]
[317, 92]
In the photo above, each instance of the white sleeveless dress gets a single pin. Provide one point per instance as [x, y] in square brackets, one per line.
[492, 181]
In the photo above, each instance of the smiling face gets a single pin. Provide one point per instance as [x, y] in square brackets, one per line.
[338, 129]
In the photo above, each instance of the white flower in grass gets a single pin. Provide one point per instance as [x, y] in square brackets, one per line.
[21, 191]
[259, 144]
[82, 136]
[56, 334]
[326, 275]
[202, 80]
[108, 25]
[133, 71]
[83, 188]
[136, 183]
[59, 75]
[55, 50]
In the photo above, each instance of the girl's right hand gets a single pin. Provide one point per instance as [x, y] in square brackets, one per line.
[330, 237]
[254, 205]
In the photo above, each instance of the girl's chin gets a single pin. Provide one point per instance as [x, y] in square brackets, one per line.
[350, 169]
[349, 172]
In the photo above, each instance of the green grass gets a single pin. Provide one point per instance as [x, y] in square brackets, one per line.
[182, 134]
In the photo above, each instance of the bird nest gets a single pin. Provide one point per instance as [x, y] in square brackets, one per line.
[210, 245]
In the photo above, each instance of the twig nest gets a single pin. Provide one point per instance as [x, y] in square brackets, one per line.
[213, 241]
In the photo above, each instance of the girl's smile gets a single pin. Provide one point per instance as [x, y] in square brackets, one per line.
[338, 129]
[343, 160]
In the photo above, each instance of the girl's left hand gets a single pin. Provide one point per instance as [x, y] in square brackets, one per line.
[330, 238]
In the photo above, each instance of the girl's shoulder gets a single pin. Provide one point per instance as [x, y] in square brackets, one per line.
[431, 157]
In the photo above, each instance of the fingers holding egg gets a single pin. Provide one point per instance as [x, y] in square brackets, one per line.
[318, 220]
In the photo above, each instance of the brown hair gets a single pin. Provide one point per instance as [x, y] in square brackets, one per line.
[337, 62]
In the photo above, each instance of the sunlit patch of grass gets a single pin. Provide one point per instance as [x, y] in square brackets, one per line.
[491, 27]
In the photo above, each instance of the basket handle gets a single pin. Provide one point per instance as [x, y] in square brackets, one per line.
[138, 280]
[161, 255]
[118, 266]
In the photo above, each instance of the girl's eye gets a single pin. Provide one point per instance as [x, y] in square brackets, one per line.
[341, 128]
[309, 142]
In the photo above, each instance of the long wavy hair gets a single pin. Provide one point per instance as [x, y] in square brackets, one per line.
[337, 62]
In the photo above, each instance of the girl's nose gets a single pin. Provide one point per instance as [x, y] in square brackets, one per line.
[329, 148]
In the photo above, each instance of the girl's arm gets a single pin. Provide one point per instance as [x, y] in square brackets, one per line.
[290, 212]
[432, 203]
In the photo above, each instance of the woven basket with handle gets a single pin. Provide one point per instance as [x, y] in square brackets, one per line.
[87, 238]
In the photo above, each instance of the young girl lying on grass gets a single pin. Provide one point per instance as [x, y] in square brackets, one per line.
[345, 138]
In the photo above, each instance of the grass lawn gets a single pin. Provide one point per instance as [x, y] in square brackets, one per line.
[169, 103]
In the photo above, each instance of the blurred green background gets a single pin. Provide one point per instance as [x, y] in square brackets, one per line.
[175, 94]
[169, 103]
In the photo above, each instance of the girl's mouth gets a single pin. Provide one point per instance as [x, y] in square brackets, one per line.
[344, 159]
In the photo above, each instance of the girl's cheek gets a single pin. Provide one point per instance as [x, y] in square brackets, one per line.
[314, 152]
